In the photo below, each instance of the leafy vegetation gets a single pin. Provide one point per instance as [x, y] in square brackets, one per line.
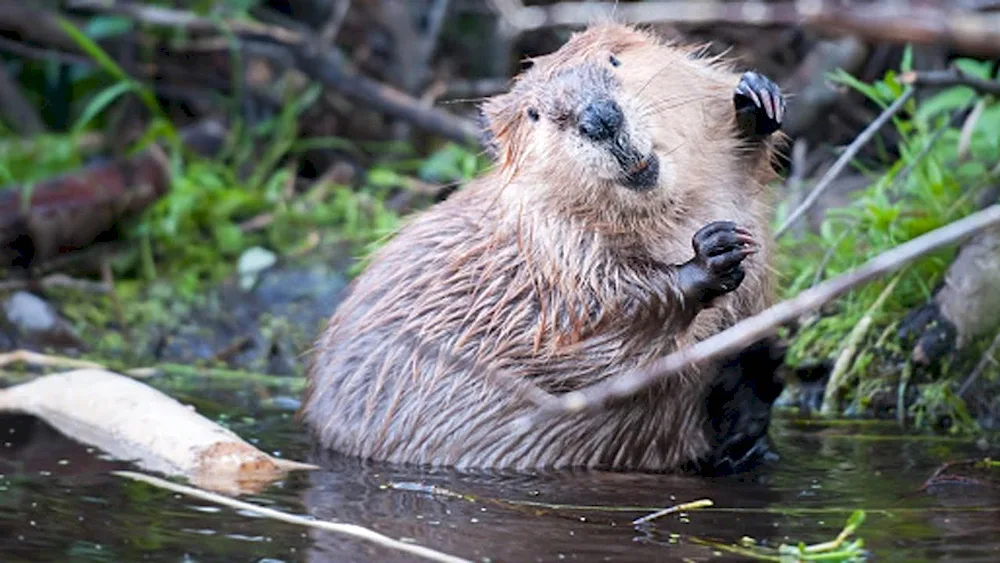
[940, 170]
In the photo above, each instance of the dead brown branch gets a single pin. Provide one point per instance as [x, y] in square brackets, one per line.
[317, 60]
[750, 330]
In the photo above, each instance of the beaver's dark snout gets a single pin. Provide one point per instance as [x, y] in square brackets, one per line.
[601, 120]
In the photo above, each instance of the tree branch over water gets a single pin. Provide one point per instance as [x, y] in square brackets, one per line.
[750, 330]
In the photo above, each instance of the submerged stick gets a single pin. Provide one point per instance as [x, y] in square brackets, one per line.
[702, 503]
[340, 528]
[751, 329]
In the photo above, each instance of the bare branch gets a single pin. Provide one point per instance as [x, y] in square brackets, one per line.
[322, 63]
[751, 329]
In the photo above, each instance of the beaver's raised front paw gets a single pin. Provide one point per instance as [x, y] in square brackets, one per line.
[717, 267]
[760, 107]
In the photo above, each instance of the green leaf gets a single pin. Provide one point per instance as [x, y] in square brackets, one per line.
[973, 67]
[99, 103]
[856, 519]
[843, 77]
[104, 61]
[228, 237]
[102, 27]
[945, 101]
[906, 65]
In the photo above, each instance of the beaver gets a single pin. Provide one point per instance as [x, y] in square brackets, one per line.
[625, 217]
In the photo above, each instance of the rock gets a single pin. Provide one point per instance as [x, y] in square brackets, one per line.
[38, 324]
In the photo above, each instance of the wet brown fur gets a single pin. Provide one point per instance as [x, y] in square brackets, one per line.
[538, 273]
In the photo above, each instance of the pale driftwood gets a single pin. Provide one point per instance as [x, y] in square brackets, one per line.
[336, 527]
[132, 421]
[751, 329]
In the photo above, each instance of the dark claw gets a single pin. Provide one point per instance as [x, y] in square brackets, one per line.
[720, 249]
[760, 106]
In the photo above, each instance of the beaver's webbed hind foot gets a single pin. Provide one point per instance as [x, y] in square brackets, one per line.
[739, 410]
[760, 106]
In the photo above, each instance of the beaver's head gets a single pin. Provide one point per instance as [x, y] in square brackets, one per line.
[607, 113]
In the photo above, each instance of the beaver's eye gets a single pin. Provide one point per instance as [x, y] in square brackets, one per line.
[533, 114]
[614, 61]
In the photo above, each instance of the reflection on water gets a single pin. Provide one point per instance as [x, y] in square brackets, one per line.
[58, 503]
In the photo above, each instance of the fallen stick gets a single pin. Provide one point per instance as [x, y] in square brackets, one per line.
[336, 527]
[753, 328]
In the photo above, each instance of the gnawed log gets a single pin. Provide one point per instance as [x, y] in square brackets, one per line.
[131, 421]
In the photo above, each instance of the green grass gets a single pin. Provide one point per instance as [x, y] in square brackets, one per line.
[930, 185]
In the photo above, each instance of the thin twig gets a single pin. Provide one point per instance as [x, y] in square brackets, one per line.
[844, 159]
[751, 329]
[332, 27]
[702, 503]
[989, 357]
[336, 527]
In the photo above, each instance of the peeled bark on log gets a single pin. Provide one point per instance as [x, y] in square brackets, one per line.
[134, 422]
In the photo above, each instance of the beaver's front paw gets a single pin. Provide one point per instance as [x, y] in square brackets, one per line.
[717, 267]
[760, 107]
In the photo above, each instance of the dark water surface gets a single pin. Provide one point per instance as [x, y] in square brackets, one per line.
[58, 502]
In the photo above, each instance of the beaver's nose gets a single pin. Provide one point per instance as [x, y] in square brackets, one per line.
[601, 120]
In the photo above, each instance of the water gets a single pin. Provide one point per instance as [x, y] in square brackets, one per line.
[59, 503]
